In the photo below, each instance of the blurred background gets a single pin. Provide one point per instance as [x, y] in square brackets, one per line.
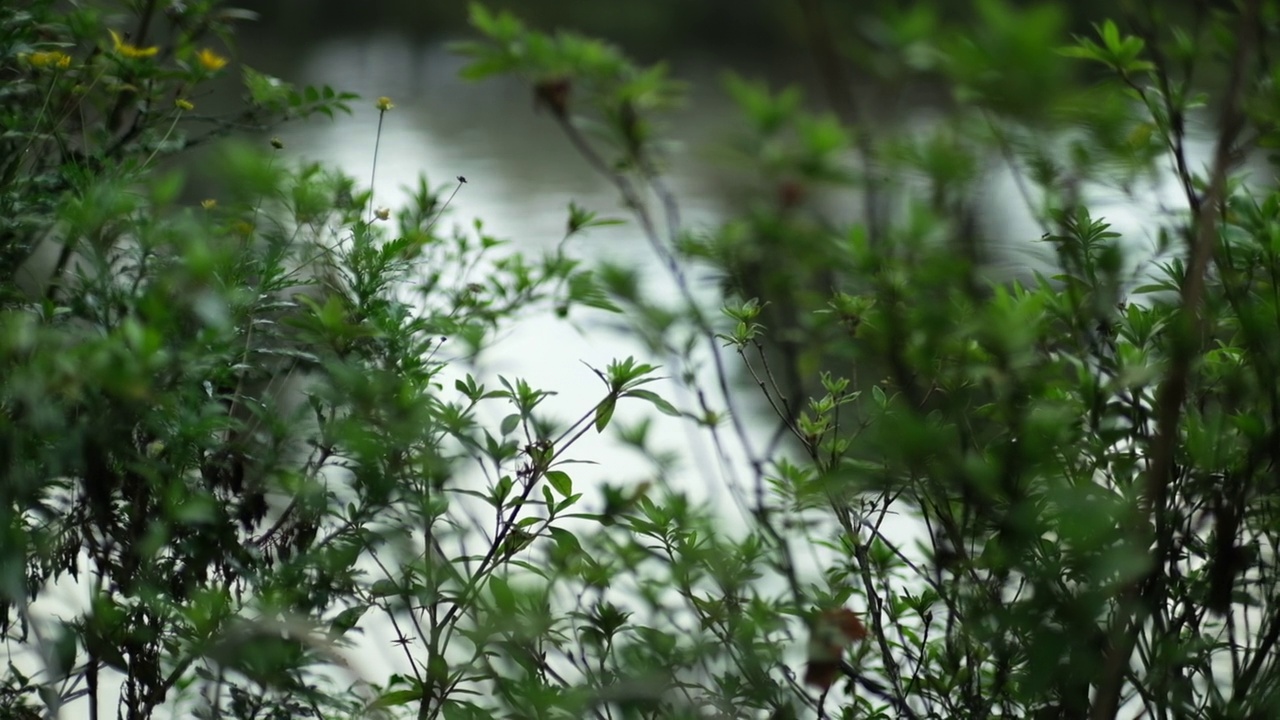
[522, 173]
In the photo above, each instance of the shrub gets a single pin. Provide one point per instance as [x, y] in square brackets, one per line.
[250, 429]
[1088, 449]
[211, 410]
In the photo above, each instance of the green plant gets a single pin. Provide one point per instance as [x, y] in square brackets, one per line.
[91, 92]
[1088, 450]
[253, 429]
[211, 411]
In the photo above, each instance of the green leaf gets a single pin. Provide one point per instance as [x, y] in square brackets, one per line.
[1110, 34]
[487, 63]
[265, 90]
[502, 490]
[399, 697]
[347, 619]
[560, 481]
[878, 394]
[503, 596]
[657, 400]
[1084, 50]
[384, 588]
[585, 290]
[568, 502]
[566, 542]
[604, 413]
[510, 423]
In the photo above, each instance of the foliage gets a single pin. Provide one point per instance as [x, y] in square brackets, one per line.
[1090, 449]
[90, 93]
[212, 410]
[249, 430]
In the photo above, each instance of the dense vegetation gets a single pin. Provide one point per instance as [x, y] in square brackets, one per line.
[241, 433]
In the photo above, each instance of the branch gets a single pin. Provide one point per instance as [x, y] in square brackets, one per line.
[875, 688]
[1202, 239]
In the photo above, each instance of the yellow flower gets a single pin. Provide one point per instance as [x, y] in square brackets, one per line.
[382, 213]
[384, 103]
[184, 104]
[133, 52]
[209, 204]
[277, 143]
[210, 60]
[51, 59]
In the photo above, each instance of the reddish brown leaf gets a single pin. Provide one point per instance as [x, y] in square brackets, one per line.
[821, 674]
[848, 623]
[830, 635]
